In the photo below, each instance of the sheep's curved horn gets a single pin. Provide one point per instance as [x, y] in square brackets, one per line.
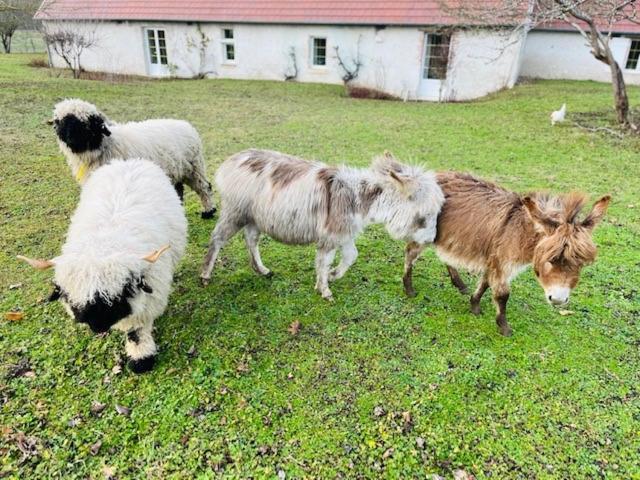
[37, 263]
[155, 255]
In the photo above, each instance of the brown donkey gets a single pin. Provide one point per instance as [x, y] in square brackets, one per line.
[486, 229]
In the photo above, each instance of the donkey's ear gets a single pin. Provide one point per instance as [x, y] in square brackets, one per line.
[387, 166]
[541, 220]
[597, 212]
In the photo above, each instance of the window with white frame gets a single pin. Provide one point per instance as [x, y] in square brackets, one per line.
[228, 45]
[318, 52]
[436, 57]
[157, 45]
[634, 55]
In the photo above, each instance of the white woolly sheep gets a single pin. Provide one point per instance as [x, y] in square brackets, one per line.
[301, 202]
[113, 271]
[88, 139]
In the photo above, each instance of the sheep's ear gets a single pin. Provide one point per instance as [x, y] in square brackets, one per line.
[542, 221]
[155, 255]
[37, 263]
[55, 294]
[597, 212]
[98, 126]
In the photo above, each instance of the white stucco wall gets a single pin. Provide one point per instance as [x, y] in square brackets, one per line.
[392, 57]
[565, 55]
[482, 62]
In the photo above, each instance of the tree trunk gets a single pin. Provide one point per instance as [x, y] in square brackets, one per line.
[6, 43]
[619, 93]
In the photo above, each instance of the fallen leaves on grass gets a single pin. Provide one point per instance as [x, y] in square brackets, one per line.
[97, 408]
[95, 447]
[242, 367]
[264, 450]
[15, 286]
[21, 369]
[192, 352]
[122, 410]
[109, 473]
[294, 328]
[462, 475]
[75, 421]
[378, 411]
[27, 445]
[388, 453]
[420, 443]
[14, 316]
[565, 313]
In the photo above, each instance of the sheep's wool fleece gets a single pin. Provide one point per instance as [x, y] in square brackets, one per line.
[127, 209]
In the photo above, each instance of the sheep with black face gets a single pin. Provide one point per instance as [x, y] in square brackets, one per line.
[88, 139]
[125, 239]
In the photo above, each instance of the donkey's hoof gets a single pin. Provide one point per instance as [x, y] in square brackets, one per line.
[464, 290]
[410, 292]
[209, 213]
[142, 365]
[505, 330]
[328, 296]
[475, 309]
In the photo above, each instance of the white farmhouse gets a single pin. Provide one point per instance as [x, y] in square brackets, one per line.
[407, 48]
[558, 51]
[411, 49]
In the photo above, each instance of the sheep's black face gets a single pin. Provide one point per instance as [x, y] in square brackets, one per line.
[100, 314]
[81, 135]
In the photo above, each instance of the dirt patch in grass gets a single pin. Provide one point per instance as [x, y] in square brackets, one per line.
[369, 93]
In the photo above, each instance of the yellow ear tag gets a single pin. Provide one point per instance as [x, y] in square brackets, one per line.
[82, 172]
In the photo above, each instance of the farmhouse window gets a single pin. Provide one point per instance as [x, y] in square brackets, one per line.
[436, 57]
[319, 52]
[157, 46]
[228, 45]
[634, 55]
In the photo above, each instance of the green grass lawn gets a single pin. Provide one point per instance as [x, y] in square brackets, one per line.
[235, 394]
[27, 41]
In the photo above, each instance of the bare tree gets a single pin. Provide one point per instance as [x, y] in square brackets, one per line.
[69, 44]
[292, 71]
[350, 72]
[595, 20]
[14, 14]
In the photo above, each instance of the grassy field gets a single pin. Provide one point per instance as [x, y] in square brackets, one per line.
[27, 41]
[375, 384]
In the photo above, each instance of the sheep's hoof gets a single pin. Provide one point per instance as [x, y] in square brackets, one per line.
[269, 274]
[205, 281]
[142, 365]
[209, 213]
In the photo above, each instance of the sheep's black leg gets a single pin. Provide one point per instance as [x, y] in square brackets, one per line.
[179, 190]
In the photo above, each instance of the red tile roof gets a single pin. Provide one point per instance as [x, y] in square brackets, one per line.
[351, 12]
[622, 26]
